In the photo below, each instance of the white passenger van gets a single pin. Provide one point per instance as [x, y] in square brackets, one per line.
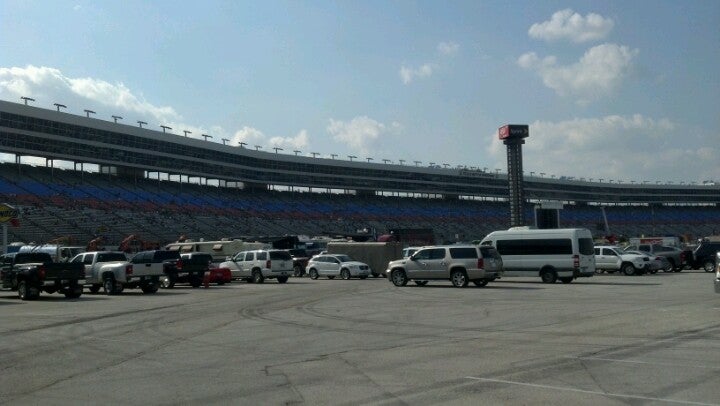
[551, 254]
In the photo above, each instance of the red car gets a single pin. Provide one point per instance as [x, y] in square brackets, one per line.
[217, 275]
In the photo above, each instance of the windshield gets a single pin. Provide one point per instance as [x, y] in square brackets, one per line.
[111, 257]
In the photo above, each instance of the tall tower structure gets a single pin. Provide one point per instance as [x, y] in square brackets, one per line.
[513, 136]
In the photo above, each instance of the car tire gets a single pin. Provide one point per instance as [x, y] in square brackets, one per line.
[345, 274]
[481, 282]
[297, 271]
[628, 269]
[258, 277]
[708, 266]
[282, 279]
[313, 273]
[151, 287]
[25, 291]
[459, 278]
[168, 281]
[109, 286]
[566, 280]
[196, 280]
[74, 292]
[548, 276]
[399, 278]
[421, 283]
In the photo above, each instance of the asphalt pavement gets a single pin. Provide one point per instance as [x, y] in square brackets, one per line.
[606, 340]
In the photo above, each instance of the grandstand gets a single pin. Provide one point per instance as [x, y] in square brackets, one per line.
[234, 190]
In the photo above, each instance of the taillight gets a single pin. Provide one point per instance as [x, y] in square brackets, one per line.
[481, 263]
[128, 270]
[268, 263]
[576, 261]
[179, 264]
[41, 272]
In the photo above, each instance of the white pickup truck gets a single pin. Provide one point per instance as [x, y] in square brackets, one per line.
[612, 259]
[106, 269]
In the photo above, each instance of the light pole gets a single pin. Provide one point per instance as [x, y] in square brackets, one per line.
[446, 165]
[351, 157]
[58, 105]
[333, 156]
[116, 118]
[278, 149]
[417, 163]
[314, 154]
[88, 112]
[140, 123]
[242, 144]
[432, 164]
[369, 159]
[164, 127]
[206, 136]
[542, 174]
[224, 140]
[258, 148]
[297, 151]
[402, 161]
[497, 171]
[187, 132]
[27, 99]
[386, 160]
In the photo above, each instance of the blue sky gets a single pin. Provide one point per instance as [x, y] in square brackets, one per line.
[611, 89]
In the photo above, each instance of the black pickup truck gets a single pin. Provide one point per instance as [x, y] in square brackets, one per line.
[34, 272]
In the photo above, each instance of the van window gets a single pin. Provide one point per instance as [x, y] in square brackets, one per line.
[550, 246]
[280, 256]
[585, 246]
[461, 253]
[262, 255]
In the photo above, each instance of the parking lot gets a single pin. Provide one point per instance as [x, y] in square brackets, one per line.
[610, 339]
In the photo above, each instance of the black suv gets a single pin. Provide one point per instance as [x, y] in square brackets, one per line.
[150, 266]
[705, 254]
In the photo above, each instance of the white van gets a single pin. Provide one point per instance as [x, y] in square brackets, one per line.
[551, 254]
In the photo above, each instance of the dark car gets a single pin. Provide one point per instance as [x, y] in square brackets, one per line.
[300, 260]
[705, 254]
[190, 268]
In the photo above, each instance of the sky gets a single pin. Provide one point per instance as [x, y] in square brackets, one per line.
[623, 90]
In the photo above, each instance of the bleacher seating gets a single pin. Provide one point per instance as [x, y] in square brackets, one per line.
[82, 205]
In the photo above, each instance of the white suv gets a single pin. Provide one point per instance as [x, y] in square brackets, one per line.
[458, 263]
[258, 265]
[613, 259]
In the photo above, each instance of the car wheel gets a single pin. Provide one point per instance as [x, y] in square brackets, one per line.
[481, 282]
[548, 277]
[708, 266]
[109, 286]
[313, 273]
[459, 278]
[421, 283]
[628, 269]
[94, 288]
[345, 274]
[258, 277]
[196, 280]
[297, 271]
[567, 280]
[24, 291]
[74, 292]
[151, 287]
[399, 278]
[282, 279]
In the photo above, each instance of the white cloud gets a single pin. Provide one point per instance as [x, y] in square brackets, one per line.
[408, 74]
[299, 141]
[568, 25]
[448, 48]
[360, 134]
[613, 147]
[598, 73]
[51, 86]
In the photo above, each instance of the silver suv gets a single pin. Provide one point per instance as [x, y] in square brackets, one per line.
[258, 265]
[458, 263]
